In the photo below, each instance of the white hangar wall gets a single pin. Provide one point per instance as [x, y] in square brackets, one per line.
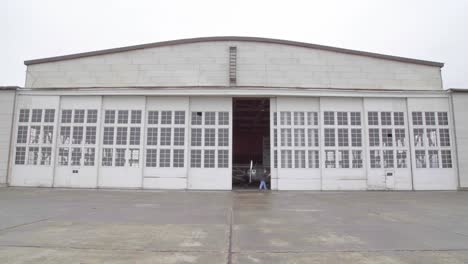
[460, 113]
[258, 64]
[7, 101]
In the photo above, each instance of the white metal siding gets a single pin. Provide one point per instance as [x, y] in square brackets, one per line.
[460, 110]
[7, 101]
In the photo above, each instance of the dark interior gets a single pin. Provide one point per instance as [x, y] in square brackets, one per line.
[251, 127]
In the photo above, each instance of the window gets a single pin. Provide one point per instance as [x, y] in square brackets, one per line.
[375, 159]
[373, 118]
[343, 158]
[299, 159]
[299, 137]
[374, 140]
[76, 157]
[431, 134]
[312, 118]
[179, 117]
[442, 118]
[90, 135]
[46, 155]
[209, 161]
[178, 158]
[164, 158]
[20, 155]
[356, 137]
[151, 157]
[275, 118]
[313, 158]
[342, 118]
[197, 118]
[386, 118]
[24, 116]
[286, 137]
[65, 134]
[179, 136]
[107, 157]
[286, 158]
[22, 135]
[400, 137]
[109, 117]
[122, 117]
[343, 140]
[210, 118]
[444, 137]
[120, 157]
[433, 156]
[420, 158]
[108, 136]
[77, 137]
[329, 137]
[357, 159]
[330, 159]
[446, 156]
[355, 118]
[329, 118]
[47, 135]
[387, 137]
[223, 158]
[285, 118]
[33, 155]
[417, 118]
[210, 136]
[152, 136]
[92, 116]
[298, 118]
[195, 158]
[153, 117]
[63, 157]
[66, 116]
[388, 159]
[398, 119]
[223, 137]
[165, 136]
[121, 136]
[36, 116]
[313, 137]
[401, 159]
[166, 117]
[223, 118]
[34, 134]
[79, 116]
[135, 135]
[135, 117]
[430, 118]
[196, 136]
[89, 156]
[134, 158]
[418, 137]
[49, 116]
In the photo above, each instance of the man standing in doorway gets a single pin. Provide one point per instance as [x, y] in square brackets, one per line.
[263, 179]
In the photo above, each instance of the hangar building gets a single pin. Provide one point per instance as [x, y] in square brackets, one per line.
[198, 113]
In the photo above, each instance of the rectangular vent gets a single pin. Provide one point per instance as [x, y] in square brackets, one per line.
[232, 65]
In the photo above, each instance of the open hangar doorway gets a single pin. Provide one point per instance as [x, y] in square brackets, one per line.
[251, 142]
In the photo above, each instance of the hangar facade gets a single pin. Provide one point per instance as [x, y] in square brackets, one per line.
[195, 113]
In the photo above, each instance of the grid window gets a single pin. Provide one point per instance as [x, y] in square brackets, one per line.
[77, 137]
[398, 119]
[33, 155]
[36, 116]
[313, 137]
[134, 157]
[78, 116]
[275, 118]
[108, 136]
[195, 158]
[135, 117]
[356, 137]
[400, 137]
[343, 139]
[197, 118]
[164, 158]
[329, 137]
[89, 156]
[178, 158]
[286, 159]
[285, 118]
[152, 136]
[374, 140]
[446, 157]
[299, 159]
[223, 118]
[34, 134]
[48, 134]
[122, 117]
[109, 117]
[442, 118]
[119, 157]
[107, 157]
[430, 118]
[210, 137]
[179, 117]
[223, 158]
[286, 137]
[76, 157]
[46, 155]
[356, 159]
[330, 162]
[343, 158]
[433, 156]
[355, 118]
[387, 137]
[275, 158]
[275, 137]
[418, 137]
[312, 118]
[417, 118]
[298, 118]
[22, 136]
[66, 116]
[342, 118]
[386, 118]
[329, 118]
[121, 136]
[210, 118]
[375, 159]
[420, 158]
[444, 136]
[135, 135]
[153, 117]
[63, 156]
[92, 116]
[401, 159]
[373, 118]
[20, 155]
[151, 158]
[65, 134]
[196, 139]
[209, 160]
[388, 159]
[431, 134]
[179, 136]
[166, 117]
[313, 159]
[223, 137]
[49, 115]
[90, 135]
[299, 137]
[165, 136]
[24, 115]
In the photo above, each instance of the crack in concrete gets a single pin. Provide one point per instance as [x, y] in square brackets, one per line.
[25, 224]
[229, 255]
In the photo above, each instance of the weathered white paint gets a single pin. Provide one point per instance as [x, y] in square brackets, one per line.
[7, 102]
[258, 64]
[460, 112]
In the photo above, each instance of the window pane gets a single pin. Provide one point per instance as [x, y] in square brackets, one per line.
[343, 140]
[119, 157]
[196, 139]
[134, 159]
[179, 117]
[135, 135]
[36, 116]
[299, 137]
[330, 159]
[166, 117]
[223, 137]
[63, 157]
[299, 159]
[398, 119]
[312, 137]
[90, 135]
[420, 158]
[400, 137]
[312, 118]
[48, 135]
[417, 118]
[210, 118]
[387, 137]
[418, 137]
[357, 158]
[343, 159]
[24, 115]
[33, 155]
[401, 159]
[107, 157]
[65, 133]
[209, 161]
[152, 117]
[374, 139]
[286, 159]
[165, 158]
[195, 158]
[77, 137]
[329, 137]
[223, 118]
[20, 155]
[433, 158]
[151, 157]
[375, 159]
[313, 159]
[46, 155]
[34, 134]
[78, 116]
[76, 157]
[386, 118]
[210, 137]
[430, 118]
[356, 137]
[442, 118]
[373, 118]
[342, 118]
[92, 117]
[355, 118]
[49, 115]
[165, 137]
[431, 134]
[286, 139]
[109, 117]
[121, 137]
[223, 158]
[152, 136]
[446, 156]
[329, 118]
[108, 136]
[285, 118]
[122, 117]
[388, 158]
[22, 135]
[299, 118]
[179, 136]
[444, 137]
[89, 156]
[197, 118]
[136, 117]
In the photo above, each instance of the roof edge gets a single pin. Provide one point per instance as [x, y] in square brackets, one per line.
[233, 38]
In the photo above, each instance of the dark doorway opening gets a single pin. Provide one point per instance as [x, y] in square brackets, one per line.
[251, 141]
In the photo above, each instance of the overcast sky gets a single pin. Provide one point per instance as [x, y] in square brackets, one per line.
[422, 29]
